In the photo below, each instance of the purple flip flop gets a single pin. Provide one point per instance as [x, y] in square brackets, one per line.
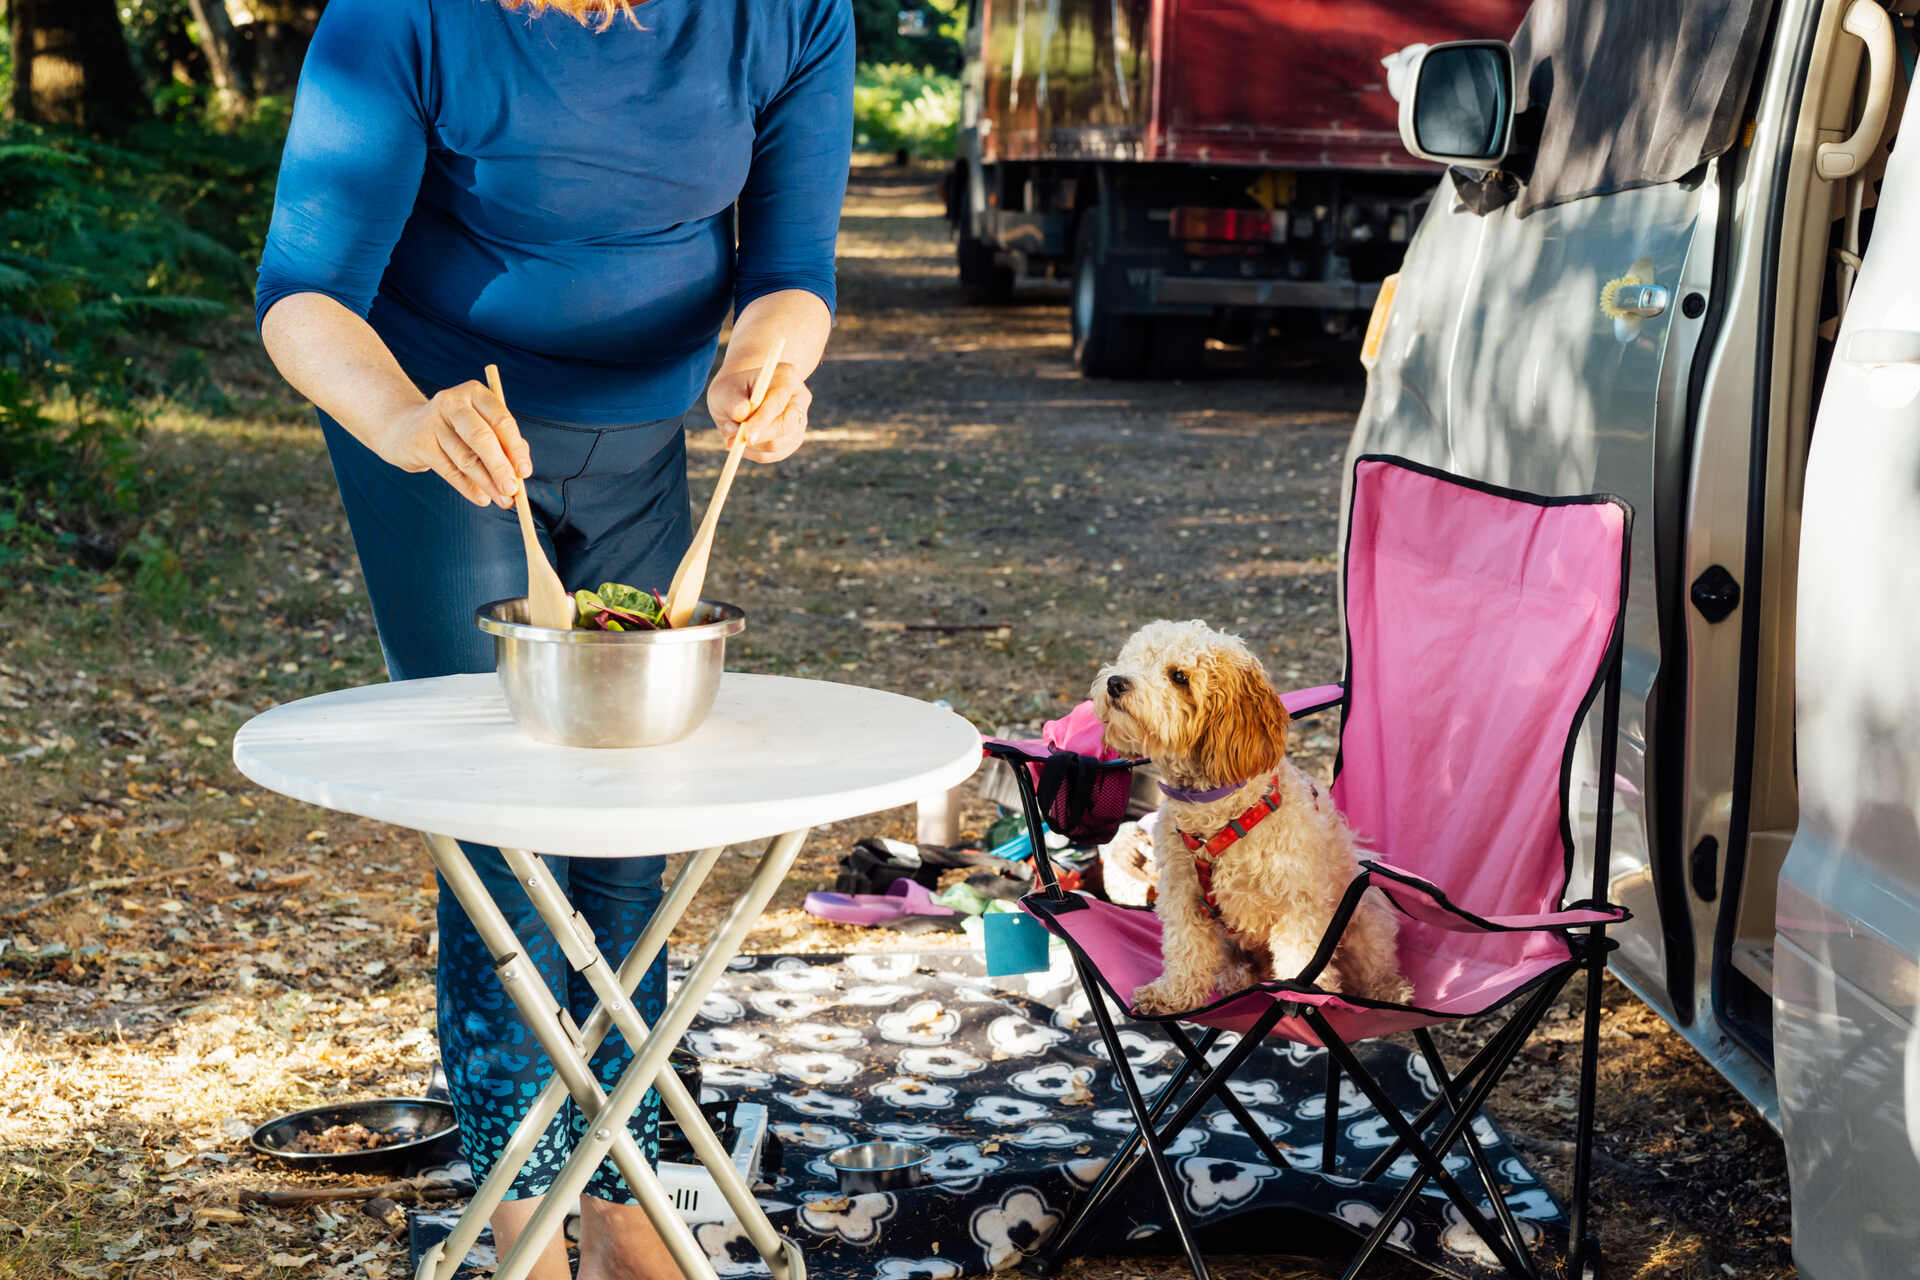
[903, 897]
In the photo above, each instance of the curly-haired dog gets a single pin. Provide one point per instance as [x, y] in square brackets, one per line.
[1236, 909]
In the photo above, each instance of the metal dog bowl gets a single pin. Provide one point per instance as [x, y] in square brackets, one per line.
[425, 1131]
[609, 688]
[879, 1166]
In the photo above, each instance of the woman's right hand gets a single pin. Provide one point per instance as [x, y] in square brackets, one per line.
[465, 436]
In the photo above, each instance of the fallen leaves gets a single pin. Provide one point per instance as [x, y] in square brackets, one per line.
[261, 987]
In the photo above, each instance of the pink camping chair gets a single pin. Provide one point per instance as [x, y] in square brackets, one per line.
[1482, 624]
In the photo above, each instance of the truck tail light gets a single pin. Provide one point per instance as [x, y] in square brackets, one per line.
[1238, 225]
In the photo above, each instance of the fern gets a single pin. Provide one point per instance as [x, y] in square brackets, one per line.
[177, 308]
[30, 152]
[112, 258]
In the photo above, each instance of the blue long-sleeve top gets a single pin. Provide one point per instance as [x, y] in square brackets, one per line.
[486, 186]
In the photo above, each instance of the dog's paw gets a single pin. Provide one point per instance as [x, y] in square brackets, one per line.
[1166, 997]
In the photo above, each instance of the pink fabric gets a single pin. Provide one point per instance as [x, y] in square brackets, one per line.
[1298, 700]
[1124, 945]
[1077, 731]
[1478, 624]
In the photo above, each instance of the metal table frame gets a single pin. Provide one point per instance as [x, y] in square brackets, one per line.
[571, 1046]
[443, 756]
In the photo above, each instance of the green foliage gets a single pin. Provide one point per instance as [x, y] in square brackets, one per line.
[905, 108]
[110, 256]
[161, 586]
[877, 38]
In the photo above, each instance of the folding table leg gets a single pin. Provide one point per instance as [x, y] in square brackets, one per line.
[563, 1045]
[544, 891]
[649, 1061]
[679, 896]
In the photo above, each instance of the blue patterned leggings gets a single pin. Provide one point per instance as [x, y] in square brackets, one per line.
[495, 1068]
[610, 505]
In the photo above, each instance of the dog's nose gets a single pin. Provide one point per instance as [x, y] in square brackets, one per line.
[1117, 686]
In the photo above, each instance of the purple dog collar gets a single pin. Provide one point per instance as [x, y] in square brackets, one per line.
[1200, 797]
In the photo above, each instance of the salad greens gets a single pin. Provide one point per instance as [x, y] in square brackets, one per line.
[615, 607]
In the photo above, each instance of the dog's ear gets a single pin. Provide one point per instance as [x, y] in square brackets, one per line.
[1244, 730]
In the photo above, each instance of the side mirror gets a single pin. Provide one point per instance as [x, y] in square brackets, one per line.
[1460, 109]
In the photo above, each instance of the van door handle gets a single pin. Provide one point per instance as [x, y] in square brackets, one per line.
[1883, 347]
[1643, 300]
[1869, 23]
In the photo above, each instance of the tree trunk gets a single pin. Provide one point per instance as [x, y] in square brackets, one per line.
[173, 51]
[274, 44]
[71, 66]
[220, 44]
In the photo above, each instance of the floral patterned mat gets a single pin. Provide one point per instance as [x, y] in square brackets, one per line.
[1007, 1082]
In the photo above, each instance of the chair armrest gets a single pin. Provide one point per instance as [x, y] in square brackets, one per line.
[1426, 902]
[1422, 900]
[1307, 702]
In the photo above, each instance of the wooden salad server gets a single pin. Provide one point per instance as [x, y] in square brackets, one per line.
[548, 604]
[691, 578]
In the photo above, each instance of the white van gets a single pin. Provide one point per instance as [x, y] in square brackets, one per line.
[1675, 261]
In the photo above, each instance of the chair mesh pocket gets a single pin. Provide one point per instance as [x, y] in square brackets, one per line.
[1083, 799]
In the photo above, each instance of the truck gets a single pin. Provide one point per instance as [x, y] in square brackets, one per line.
[1193, 168]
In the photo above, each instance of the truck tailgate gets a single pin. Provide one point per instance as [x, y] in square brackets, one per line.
[1299, 83]
[1285, 84]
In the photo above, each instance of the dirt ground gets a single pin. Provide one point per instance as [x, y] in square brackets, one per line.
[183, 955]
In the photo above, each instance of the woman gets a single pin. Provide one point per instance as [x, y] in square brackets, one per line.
[555, 186]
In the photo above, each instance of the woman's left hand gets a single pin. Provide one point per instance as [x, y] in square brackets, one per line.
[777, 428]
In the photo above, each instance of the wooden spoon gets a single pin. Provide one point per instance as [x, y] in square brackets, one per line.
[691, 577]
[548, 604]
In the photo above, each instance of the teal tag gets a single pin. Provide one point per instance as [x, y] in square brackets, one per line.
[1015, 943]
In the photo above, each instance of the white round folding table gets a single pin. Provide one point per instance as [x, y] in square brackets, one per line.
[776, 757]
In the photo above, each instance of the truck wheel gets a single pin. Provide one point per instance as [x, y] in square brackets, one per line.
[1105, 344]
[985, 282]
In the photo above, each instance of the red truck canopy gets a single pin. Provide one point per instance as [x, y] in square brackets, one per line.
[1282, 84]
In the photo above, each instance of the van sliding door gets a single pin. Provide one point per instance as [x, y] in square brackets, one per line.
[1847, 948]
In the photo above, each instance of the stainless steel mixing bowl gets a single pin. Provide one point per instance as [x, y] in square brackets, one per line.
[609, 688]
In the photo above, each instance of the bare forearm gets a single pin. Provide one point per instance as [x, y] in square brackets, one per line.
[794, 314]
[335, 359]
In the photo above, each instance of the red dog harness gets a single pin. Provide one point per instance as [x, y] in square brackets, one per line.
[1206, 852]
